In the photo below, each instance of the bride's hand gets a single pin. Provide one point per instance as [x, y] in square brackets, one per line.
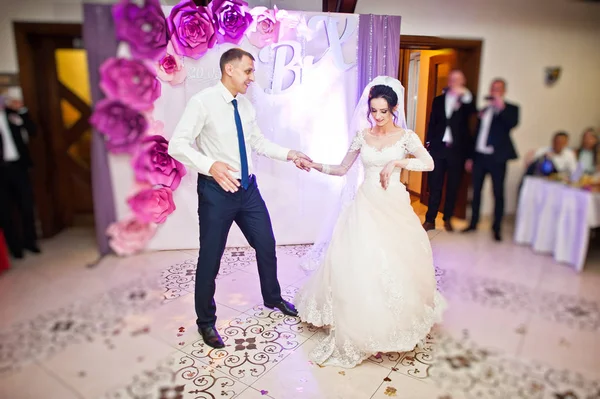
[386, 173]
[304, 164]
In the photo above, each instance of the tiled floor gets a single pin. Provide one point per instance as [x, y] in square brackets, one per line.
[518, 326]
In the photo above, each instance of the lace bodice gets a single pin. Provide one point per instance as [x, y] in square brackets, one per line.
[377, 151]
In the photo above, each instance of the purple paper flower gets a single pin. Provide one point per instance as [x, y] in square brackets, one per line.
[121, 125]
[192, 30]
[144, 28]
[154, 165]
[232, 18]
[130, 81]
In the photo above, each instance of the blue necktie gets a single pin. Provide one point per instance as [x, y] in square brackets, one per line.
[242, 144]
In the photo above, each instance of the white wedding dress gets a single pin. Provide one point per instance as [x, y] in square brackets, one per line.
[376, 290]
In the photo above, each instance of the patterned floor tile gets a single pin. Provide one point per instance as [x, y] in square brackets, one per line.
[577, 313]
[178, 377]
[87, 321]
[489, 292]
[253, 346]
[297, 251]
[460, 365]
[280, 322]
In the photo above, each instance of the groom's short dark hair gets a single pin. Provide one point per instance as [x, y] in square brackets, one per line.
[234, 54]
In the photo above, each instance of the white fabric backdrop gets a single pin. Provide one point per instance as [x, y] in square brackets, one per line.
[311, 116]
[555, 218]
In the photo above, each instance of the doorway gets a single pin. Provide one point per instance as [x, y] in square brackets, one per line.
[425, 63]
[54, 78]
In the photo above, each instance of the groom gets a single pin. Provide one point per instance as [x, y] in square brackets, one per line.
[223, 125]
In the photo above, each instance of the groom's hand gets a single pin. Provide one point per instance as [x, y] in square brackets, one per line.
[220, 172]
[300, 159]
[303, 164]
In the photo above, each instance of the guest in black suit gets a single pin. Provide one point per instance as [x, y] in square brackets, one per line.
[492, 150]
[449, 142]
[15, 186]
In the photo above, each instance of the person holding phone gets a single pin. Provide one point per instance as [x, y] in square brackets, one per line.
[492, 150]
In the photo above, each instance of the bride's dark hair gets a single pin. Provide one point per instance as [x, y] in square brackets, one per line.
[388, 94]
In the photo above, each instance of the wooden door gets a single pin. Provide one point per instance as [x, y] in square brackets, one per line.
[63, 173]
[468, 60]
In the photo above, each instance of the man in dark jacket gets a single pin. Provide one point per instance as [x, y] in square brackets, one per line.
[449, 142]
[492, 150]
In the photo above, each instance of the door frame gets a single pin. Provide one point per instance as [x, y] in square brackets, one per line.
[468, 59]
[51, 218]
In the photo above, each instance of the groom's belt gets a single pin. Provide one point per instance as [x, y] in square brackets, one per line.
[210, 178]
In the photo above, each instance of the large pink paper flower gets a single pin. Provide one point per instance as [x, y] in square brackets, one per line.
[266, 26]
[170, 67]
[231, 18]
[121, 125]
[154, 165]
[130, 81]
[129, 236]
[143, 27]
[192, 30]
[152, 205]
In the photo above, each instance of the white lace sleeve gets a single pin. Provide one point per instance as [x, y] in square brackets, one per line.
[422, 161]
[349, 159]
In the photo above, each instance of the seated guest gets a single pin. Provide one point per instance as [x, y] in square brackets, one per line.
[557, 158]
[587, 154]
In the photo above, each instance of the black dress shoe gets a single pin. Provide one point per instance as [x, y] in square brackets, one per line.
[285, 307]
[429, 226]
[470, 229]
[497, 236]
[34, 249]
[448, 226]
[211, 337]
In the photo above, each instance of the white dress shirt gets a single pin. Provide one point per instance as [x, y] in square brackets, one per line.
[451, 100]
[10, 152]
[484, 132]
[208, 120]
[565, 162]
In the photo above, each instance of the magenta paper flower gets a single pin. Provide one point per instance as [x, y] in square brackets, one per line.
[154, 165]
[170, 67]
[144, 28]
[232, 18]
[192, 30]
[129, 236]
[121, 125]
[130, 81]
[152, 205]
[265, 27]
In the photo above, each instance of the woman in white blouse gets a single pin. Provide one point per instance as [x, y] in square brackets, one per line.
[587, 154]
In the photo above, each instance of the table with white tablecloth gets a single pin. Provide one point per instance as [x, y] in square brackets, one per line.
[556, 218]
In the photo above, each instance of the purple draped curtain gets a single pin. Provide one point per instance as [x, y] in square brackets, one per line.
[100, 44]
[378, 48]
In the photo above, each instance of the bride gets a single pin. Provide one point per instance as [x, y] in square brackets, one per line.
[375, 289]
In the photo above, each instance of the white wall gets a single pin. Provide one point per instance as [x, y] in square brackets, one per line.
[521, 38]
